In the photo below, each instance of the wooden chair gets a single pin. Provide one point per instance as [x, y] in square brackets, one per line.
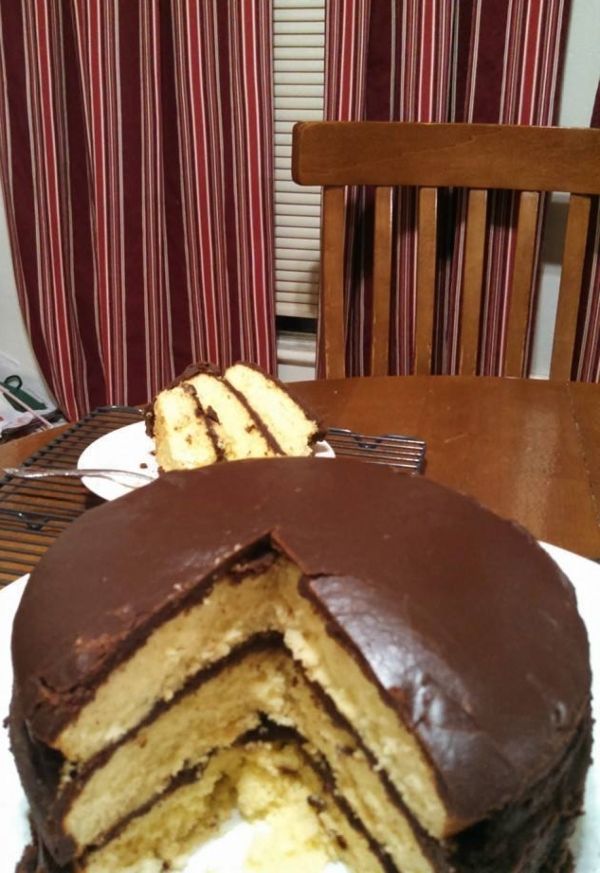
[477, 157]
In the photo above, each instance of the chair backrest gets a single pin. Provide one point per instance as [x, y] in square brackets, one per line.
[477, 157]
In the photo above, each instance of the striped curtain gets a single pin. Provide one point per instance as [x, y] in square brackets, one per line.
[588, 365]
[439, 61]
[135, 157]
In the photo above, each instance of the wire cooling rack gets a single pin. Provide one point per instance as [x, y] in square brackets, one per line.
[391, 449]
[34, 512]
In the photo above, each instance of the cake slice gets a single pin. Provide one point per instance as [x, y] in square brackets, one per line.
[204, 417]
[289, 423]
[200, 419]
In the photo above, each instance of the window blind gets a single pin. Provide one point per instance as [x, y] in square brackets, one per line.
[299, 75]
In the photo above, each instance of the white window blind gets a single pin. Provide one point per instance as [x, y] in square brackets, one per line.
[299, 76]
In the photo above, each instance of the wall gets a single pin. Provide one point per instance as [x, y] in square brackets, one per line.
[14, 341]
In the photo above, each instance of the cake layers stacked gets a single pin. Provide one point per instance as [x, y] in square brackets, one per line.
[206, 416]
[413, 667]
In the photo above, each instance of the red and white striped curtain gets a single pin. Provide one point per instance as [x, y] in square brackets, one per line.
[136, 163]
[439, 61]
[588, 367]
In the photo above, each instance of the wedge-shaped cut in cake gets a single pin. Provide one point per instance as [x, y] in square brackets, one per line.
[204, 417]
[401, 671]
[286, 419]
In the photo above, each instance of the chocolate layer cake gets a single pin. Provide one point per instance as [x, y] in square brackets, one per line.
[205, 416]
[420, 661]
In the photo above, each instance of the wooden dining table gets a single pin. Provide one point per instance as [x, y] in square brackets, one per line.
[527, 449]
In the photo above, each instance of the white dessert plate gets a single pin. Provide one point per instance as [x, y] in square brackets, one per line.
[225, 853]
[131, 449]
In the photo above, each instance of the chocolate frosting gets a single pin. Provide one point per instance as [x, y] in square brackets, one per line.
[469, 629]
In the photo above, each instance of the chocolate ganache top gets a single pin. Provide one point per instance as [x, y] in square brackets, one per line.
[468, 627]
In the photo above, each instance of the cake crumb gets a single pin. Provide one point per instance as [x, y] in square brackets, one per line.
[293, 839]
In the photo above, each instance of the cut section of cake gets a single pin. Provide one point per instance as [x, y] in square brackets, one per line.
[412, 665]
[204, 417]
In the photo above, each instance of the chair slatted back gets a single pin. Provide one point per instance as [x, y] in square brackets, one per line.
[477, 157]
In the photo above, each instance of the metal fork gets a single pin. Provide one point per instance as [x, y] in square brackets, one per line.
[76, 473]
[393, 449]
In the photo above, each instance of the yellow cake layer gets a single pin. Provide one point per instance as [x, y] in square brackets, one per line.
[287, 421]
[237, 430]
[183, 441]
[213, 716]
[233, 612]
[304, 828]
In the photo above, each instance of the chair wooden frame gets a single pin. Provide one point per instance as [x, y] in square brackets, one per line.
[477, 157]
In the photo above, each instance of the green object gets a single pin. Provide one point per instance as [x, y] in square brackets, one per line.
[14, 385]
